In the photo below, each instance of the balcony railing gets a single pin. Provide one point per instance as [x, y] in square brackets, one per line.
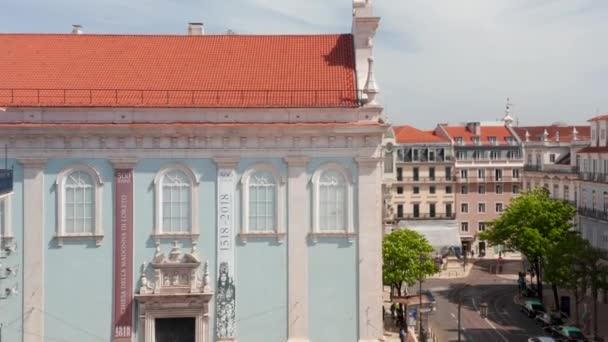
[504, 179]
[179, 98]
[593, 176]
[426, 179]
[550, 168]
[427, 216]
[407, 159]
[593, 213]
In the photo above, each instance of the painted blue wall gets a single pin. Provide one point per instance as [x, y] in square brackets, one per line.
[261, 278]
[78, 276]
[143, 217]
[332, 274]
[11, 309]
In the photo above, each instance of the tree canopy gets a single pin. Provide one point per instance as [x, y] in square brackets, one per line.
[533, 224]
[407, 258]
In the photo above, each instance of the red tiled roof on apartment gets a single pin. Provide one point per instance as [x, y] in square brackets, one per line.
[409, 134]
[565, 132]
[177, 71]
[594, 149]
[599, 118]
[500, 132]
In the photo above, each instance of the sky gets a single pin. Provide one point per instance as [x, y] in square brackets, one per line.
[437, 61]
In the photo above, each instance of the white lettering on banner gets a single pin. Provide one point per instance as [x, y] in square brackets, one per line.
[225, 297]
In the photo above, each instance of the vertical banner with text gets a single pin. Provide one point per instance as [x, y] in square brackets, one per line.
[225, 294]
[123, 255]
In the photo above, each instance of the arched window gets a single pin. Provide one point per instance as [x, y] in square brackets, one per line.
[262, 194]
[332, 200]
[79, 204]
[176, 209]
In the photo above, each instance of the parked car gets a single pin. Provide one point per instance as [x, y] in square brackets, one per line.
[542, 339]
[568, 333]
[548, 319]
[532, 308]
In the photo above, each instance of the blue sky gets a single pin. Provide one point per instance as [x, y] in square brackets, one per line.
[437, 60]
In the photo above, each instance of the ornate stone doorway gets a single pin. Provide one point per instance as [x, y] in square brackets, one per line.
[174, 305]
[178, 329]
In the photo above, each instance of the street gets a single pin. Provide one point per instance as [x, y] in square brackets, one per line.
[504, 323]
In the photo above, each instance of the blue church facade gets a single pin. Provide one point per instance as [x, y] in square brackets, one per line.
[135, 219]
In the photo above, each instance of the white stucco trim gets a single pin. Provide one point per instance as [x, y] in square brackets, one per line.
[280, 189]
[349, 230]
[6, 235]
[193, 231]
[60, 233]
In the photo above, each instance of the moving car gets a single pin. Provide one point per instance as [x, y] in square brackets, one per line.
[542, 339]
[532, 308]
[548, 319]
[568, 333]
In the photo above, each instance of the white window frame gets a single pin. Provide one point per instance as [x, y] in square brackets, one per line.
[60, 233]
[6, 233]
[349, 230]
[479, 207]
[502, 207]
[464, 206]
[280, 195]
[193, 232]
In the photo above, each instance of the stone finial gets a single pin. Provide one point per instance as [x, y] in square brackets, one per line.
[527, 136]
[508, 119]
[206, 278]
[371, 88]
[574, 133]
[545, 135]
[557, 136]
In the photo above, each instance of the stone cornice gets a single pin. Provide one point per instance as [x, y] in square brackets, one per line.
[227, 162]
[124, 163]
[33, 162]
[297, 160]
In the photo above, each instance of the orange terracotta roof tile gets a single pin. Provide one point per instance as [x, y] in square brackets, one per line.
[565, 132]
[409, 134]
[500, 132]
[599, 118]
[177, 71]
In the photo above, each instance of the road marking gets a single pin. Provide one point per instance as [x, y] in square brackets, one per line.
[497, 331]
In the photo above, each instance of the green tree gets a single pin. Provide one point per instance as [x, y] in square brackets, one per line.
[407, 259]
[565, 267]
[595, 273]
[533, 224]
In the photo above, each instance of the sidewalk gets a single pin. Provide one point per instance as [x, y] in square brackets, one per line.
[454, 272]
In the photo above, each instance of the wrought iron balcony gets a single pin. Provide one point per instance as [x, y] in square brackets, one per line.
[428, 216]
[593, 213]
[426, 179]
[593, 176]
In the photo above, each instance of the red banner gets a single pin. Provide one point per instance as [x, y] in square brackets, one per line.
[123, 255]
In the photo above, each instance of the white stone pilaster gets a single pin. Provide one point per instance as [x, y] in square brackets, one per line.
[33, 249]
[297, 250]
[369, 255]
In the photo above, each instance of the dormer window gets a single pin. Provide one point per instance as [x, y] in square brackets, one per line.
[492, 140]
[458, 140]
[476, 140]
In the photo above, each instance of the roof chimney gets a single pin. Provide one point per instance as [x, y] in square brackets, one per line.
[76, 29]
[196, 29]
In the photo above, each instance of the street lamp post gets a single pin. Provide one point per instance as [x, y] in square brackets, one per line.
[420, 299]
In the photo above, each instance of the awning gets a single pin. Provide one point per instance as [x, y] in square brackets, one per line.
[441, 234]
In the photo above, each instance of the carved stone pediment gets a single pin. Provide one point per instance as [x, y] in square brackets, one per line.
[175, 273]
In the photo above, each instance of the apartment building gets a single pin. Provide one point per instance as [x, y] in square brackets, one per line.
[551, 157]
[488, 169]
[419, 191]
[592, 164]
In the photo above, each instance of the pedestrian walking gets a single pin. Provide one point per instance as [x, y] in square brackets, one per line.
[393, 311]
[402, 334]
